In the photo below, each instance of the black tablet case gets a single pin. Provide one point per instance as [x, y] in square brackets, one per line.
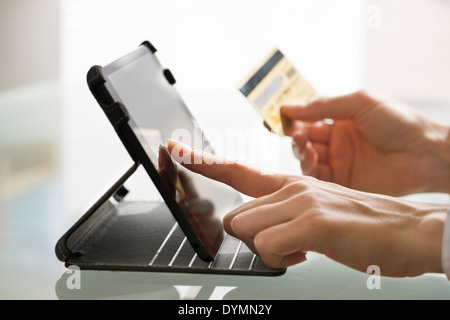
[115, 234]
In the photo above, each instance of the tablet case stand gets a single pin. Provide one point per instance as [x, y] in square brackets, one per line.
[115, 234]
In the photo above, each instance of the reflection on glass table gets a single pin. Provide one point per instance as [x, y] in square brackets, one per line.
[318, 278]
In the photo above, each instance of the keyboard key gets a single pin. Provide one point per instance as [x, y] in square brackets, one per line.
[168, 248]
[227, 252]
[244, 258]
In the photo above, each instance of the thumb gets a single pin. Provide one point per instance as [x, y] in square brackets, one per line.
[243, 177]
[349, 107]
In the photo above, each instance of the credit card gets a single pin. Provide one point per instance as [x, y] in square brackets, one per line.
[273, 83]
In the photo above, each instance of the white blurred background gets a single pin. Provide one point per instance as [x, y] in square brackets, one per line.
[58, 153]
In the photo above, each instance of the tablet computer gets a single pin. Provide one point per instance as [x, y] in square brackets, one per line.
[139, 97]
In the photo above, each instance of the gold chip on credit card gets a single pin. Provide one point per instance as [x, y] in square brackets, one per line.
[272, 84]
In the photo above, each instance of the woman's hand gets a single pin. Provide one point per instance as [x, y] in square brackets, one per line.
[294, 214]
[374, 144]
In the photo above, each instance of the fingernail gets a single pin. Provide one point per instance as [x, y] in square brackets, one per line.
[180, 152]
[181, 144]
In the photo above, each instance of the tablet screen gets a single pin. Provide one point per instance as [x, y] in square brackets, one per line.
[158, 113]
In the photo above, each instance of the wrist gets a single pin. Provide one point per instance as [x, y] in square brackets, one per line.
[427, 242]
[437, 155]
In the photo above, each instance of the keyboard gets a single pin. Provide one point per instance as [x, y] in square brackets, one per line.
[176, 251]
[145, 236]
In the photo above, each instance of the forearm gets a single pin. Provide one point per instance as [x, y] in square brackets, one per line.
[437, 155]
